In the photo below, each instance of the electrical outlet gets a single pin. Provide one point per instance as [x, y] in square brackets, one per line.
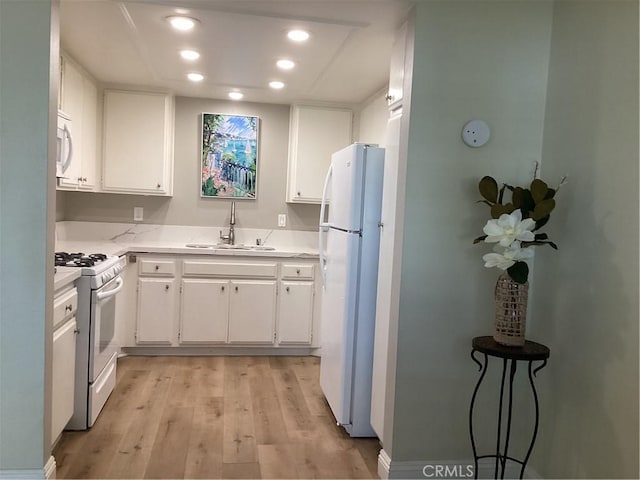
[282, 220]
[138, 214]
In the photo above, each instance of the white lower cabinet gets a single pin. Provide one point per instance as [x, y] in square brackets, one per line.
[156, 310]
[204, 311]
[252, 311]
[191, 301]
[295, 312]
[63, 360]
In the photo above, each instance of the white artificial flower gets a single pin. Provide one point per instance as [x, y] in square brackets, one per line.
[509, 228]
[507, 257]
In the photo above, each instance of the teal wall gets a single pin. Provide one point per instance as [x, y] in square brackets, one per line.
[587, 292]
[472, 59]
[28, 97]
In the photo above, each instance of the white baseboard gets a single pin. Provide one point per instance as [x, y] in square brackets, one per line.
[48, 472]
[389, 469]
[219, 350]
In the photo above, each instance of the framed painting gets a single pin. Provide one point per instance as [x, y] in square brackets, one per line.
[229, 157]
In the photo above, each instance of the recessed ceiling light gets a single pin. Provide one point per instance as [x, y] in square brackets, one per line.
[285, 64]
[276, 85]
[235, 95]
[298, 35]
[195, 77]
[182, 23]
[189, 54]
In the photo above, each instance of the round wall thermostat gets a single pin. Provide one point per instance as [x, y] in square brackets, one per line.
[476, 133]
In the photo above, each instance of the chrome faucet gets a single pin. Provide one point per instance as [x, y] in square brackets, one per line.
[230, 238]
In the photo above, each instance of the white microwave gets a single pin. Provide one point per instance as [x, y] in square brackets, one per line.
[65, 144]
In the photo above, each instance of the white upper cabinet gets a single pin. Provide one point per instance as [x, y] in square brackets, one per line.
[138, 143]
[396, 73]
[314, 134]
[79, 101]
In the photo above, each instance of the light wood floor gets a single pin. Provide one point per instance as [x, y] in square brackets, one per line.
[216, 417]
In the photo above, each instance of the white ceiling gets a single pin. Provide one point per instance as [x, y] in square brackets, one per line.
[130, 43]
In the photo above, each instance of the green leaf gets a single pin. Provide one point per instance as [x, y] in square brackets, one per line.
[541, 223]
[517, 197]
[501, 194]
[538, 190]
[539, 242]
[479, 239]
[497, 209]
[489, 189]
[544, 208]
[527, 203]
[519, 272]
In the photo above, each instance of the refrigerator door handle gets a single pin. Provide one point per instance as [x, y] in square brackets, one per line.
[323, 226]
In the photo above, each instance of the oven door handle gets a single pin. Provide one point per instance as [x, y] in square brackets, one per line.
[110, 293]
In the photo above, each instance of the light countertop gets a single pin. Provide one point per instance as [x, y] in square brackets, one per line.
[64, 276]
[164, 247]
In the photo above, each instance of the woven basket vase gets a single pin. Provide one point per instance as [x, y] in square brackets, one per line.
[511, 311]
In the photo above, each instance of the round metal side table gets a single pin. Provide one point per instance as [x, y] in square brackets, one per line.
[531, 352]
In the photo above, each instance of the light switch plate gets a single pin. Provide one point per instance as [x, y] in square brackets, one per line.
[138, 214]
[282, 220]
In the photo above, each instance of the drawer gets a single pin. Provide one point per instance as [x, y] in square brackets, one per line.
[64, 306]
[192, 268]
[293, 272]
[158, 268]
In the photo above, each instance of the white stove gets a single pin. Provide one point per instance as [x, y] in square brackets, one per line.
[99, 266]
[96, 348]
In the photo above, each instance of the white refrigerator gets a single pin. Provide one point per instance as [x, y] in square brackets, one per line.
[349, 245]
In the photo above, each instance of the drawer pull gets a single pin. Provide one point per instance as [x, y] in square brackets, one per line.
[76, 331]
[298, 271]
[236, 289]
[68, 308]
[157, 267]
[166, 287]
[222, 288]
[287, 289]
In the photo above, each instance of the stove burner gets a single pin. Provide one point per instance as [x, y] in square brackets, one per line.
[64, 259]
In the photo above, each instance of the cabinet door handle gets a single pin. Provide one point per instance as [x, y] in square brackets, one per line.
[84, 179]
[76, 331]
[68, 308]
[298, 193]
[287, 289]
[158, 185]
[157, 267]
[222, 288]
[236, 288]
[298, 271]
[166, 287]
[388, 98]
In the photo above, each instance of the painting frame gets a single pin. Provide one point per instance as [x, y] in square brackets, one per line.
[229, 156]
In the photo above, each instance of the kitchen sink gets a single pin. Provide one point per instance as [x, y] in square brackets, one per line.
[224, 246]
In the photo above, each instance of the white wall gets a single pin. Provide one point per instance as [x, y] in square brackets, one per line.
[28, 99]
[186, 207]
[472, 59]
[587, 292]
